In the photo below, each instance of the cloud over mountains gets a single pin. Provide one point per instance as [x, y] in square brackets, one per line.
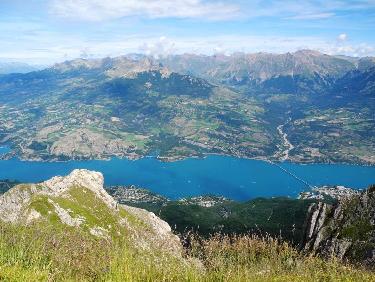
[49, 31]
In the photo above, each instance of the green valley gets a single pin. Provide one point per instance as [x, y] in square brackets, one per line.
[131, 108]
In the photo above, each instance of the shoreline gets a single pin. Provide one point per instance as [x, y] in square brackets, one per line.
[174, 159]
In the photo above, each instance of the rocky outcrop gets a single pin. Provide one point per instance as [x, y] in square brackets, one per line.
[91, 180]
[79, 200]
[13, 203]
[345, 230]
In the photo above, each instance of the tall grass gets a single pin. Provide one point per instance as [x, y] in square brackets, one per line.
[37, 253]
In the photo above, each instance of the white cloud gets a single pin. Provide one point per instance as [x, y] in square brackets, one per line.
[239, 43]
[99, 10]
[360, 50]
[160, 48]
[48, 48]
[85, 53]
[342, 37]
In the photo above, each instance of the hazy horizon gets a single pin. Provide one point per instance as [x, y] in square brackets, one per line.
[158, 56]
[49, 31]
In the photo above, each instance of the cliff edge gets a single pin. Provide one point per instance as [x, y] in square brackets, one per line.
[345, 230]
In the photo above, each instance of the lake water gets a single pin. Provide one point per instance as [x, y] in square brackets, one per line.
[239, 179]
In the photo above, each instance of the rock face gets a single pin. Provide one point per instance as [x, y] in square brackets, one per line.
[12, 203]
[92, 180]
[80, 201]
[345, 230]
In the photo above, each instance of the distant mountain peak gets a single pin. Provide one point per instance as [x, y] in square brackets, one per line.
[309, 52]
[253, 69]
[17, 67]
[122, 66]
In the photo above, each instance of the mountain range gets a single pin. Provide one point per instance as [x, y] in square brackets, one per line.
[304, 106]
[17, 67]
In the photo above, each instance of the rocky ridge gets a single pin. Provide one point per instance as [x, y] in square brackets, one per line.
[113, 67]
[304, 70]
[80, 201]
[345, 229]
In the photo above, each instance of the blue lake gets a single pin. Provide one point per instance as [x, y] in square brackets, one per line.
[239, 179]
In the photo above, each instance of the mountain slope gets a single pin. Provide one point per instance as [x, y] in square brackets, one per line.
[357, 83]
[207, 215]
[16, 67]
[242, 105]
[119, 107]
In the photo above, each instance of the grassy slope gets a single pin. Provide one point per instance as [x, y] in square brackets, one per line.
[50, 251]
[55, 253]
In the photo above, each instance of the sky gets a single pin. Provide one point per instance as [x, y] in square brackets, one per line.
[49, 31]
